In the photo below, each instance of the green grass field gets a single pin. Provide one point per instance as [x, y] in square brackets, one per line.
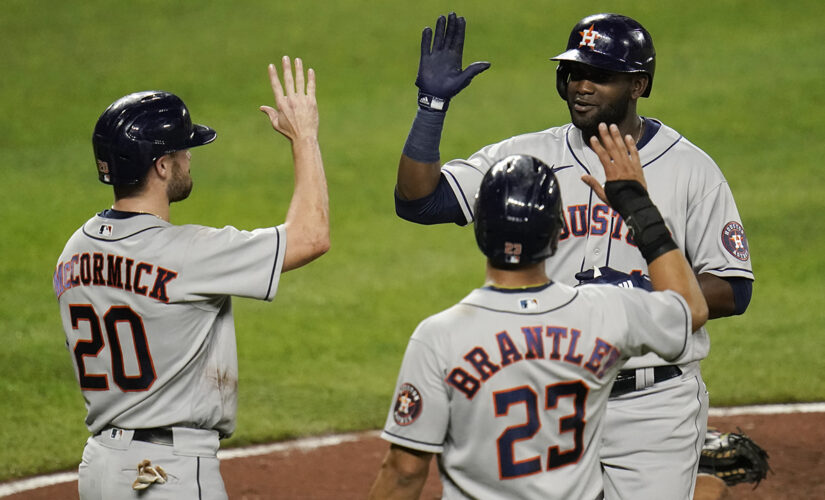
[741, 79]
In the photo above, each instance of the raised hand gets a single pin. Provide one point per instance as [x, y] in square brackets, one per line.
[296, 112]
[440, 76]
[618, 156]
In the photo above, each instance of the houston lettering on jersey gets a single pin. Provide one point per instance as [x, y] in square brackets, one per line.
[542, 343]
[115, 271]
[578, 223]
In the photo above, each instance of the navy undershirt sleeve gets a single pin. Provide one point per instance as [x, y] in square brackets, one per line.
[742, 291]
[439, 207]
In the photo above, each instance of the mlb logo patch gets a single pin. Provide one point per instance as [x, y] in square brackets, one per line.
[105, 230]
[528, 304]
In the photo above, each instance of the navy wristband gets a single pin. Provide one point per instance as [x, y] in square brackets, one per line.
[425, 136]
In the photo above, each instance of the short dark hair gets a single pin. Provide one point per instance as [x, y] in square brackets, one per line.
[130, 190]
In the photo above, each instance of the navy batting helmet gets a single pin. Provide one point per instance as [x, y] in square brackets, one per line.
[611, 42]
[139, 128]
[518, 212]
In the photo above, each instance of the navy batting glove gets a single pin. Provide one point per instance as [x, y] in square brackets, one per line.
[440, 76]
[610, 276]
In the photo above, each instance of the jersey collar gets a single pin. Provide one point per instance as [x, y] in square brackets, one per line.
[115, 225]
[533, 300]
[657, 140]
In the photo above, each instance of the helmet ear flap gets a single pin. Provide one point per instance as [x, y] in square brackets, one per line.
[562, 79]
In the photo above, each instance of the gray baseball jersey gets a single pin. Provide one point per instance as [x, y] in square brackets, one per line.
[510, 386]
[684, 183]
[146, 308]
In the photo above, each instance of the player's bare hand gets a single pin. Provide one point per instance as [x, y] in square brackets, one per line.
[618, 156]
[295, 114]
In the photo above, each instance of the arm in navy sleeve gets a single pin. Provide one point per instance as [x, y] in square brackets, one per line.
[742, 291]
[438, 207]
[725, 296]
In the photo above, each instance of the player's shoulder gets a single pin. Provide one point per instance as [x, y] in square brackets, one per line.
[608, 292]
[72, 243]
[608, 295]
[443, 320]
[670, 145]
[549, 136]
[537, 143]
[226, 233]
[545, 144]
[674, 156]
[147, 227]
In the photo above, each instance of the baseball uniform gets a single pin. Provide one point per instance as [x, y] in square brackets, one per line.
[698, 208]
[509, 387]
[147, 313]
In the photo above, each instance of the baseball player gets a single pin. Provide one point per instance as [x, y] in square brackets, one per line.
[146, 305]
[657, 412]
[510, 386]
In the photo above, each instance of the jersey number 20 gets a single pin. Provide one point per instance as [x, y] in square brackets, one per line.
[93, 347]
[510, 469]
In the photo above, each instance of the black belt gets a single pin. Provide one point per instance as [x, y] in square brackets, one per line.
[626, 380]
[157, 436]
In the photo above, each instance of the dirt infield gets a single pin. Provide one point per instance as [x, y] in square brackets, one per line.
[796, 443]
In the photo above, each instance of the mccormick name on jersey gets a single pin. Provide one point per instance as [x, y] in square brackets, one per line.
[114, 271]
[562, 346]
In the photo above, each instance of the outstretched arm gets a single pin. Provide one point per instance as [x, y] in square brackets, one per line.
[402, 476]
[296, 117]
[440, 78]
[416, 179]
[625, 190]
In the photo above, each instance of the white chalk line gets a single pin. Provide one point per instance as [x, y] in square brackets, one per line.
[767, 409]
[307, 444]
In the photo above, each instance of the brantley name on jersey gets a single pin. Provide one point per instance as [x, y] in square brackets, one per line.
[602, 356]
[116, 271]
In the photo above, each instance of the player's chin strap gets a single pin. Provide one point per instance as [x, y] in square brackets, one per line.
[647, 227]
[148, 475]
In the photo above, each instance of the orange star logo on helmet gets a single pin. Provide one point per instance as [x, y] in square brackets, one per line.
[589, 37]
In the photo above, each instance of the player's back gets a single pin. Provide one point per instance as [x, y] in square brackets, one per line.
[147, 347]
[528, 374]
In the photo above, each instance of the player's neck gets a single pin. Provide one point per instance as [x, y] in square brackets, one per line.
[144, 205]
[632, 124]
[530, 276]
